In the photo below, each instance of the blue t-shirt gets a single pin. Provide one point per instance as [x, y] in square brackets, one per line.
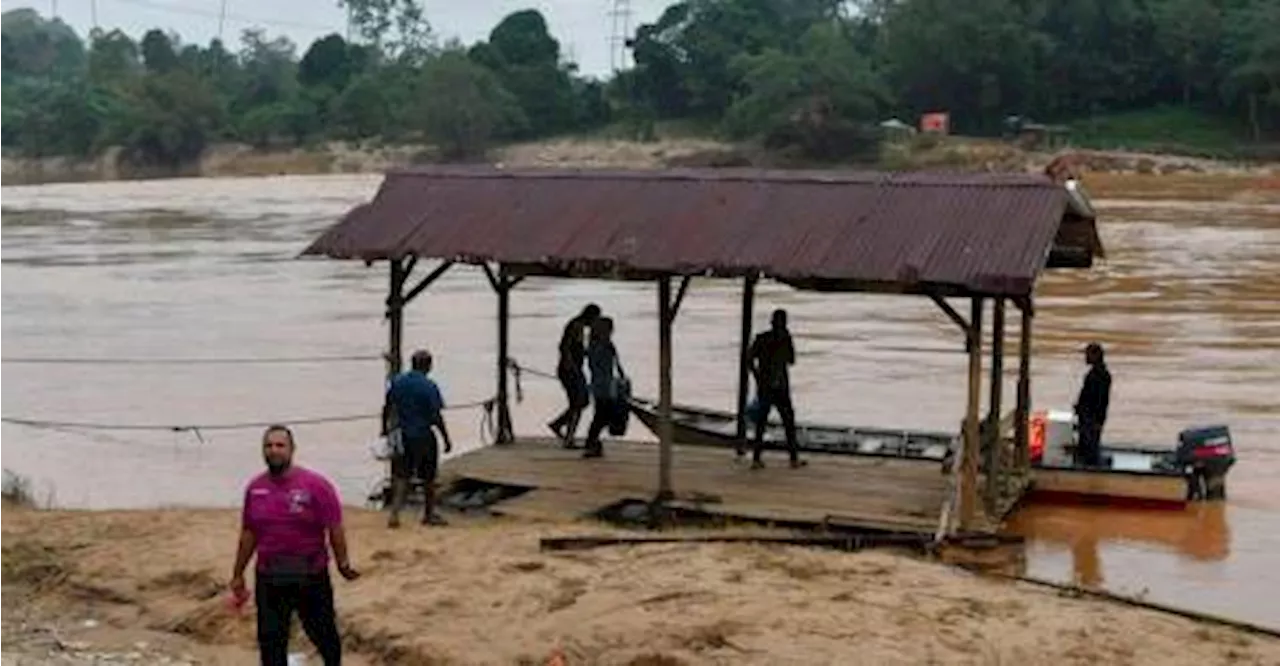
[417, 403]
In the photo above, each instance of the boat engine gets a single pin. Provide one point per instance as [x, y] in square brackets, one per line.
[1206, 453]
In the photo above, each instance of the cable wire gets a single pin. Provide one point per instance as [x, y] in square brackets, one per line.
[236, 18]
[122, 360]
[488, 424]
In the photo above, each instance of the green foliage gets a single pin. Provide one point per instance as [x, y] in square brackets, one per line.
[809, 77]
[168, 121]
[821, 100]
[1162, 127]
[463, 107]
[526, 59]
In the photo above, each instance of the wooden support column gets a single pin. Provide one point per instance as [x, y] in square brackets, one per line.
[744, 355]
[1023, 413]
[395, 318]
[503, 285]
[969, 464]
[665, 430]
[994, 434]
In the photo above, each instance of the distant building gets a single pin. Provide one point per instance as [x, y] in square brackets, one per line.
[936, 122]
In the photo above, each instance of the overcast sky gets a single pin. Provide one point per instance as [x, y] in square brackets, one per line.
[582, 26]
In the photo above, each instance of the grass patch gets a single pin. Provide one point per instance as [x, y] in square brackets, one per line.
[16, 490]
[1166, 129]
[31, 564]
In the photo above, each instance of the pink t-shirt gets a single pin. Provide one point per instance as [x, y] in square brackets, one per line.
[288, 517]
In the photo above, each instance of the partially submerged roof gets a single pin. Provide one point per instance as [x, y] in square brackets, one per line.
[948, 234]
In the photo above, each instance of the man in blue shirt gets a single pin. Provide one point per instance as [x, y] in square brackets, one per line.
[414, 407]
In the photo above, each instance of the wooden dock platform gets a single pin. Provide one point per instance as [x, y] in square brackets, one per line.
[848, 491]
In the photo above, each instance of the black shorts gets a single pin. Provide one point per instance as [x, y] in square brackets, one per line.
[574, 383]
[421, 459]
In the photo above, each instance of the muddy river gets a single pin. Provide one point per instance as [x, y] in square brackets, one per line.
[1187, 303]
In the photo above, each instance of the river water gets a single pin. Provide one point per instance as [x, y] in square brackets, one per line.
[1187, 304]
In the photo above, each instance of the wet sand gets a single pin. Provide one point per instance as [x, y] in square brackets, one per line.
[484, 594]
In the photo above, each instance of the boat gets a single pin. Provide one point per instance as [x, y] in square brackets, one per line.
[706, 427]
[1132, 475]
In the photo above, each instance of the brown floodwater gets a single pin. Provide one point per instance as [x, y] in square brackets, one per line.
[1187, 302]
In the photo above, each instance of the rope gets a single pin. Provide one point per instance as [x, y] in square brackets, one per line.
[86, 425]
[488, 418]
[488, 424]
[487, 404]
[518, 369]
[50, 360]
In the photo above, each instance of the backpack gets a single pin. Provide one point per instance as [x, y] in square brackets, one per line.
[622, 404]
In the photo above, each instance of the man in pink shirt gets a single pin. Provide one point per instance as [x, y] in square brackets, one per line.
[291, 518]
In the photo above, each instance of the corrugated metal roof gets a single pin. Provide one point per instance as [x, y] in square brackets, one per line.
[975, 233]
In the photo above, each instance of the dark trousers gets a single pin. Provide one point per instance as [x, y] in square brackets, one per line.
[574, 383]
[1089, 443]
[606, 410]
[769, 399]
[311, 595]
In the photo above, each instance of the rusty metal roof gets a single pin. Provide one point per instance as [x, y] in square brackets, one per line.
[874, 231]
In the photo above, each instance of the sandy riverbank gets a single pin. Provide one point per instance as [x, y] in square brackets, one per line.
[952, 153]
[79, 584]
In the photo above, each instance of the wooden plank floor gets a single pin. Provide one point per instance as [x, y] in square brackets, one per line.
[872, 492]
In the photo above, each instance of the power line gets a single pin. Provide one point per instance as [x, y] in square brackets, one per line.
[223, 16]
[51, 360]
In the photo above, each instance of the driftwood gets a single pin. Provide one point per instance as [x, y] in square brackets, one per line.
[1075, 590]
[842, 542]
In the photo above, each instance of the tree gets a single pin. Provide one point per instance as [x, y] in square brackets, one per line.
[526, 59]
[34, 46]
[822, 100]
[976, 60]
[113, 59]
[158, 54]
[331, 61]
[267, 71]
[464, 106]
[1252, 63]
[1187, 32]
[169, 120]
[522, 38]
[50, 116]
[397, 29]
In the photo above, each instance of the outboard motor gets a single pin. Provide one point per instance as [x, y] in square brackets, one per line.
[1206, 453]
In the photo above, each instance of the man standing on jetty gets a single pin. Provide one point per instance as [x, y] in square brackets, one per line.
[772, 354]
[1091, 407]
[291, 518]
[571, 376]
[415, 409]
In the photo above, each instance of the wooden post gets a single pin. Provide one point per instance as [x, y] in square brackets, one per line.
[395, 319]
[1023, 413]
[665, 431]
[994, 434]
[744, 360]
[969, 465]
[504, 434]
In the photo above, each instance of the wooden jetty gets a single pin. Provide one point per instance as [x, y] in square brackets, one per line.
[844, 491]
[982, 238]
